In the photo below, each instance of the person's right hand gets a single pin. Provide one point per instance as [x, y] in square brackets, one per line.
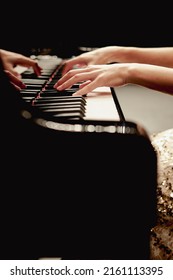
[93, 76]
[10, 60]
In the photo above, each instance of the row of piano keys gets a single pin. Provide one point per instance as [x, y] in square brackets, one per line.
[39, 92]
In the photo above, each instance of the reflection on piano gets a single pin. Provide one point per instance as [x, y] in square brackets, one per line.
[70, 177]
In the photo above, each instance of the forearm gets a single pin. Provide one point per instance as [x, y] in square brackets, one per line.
[150, 76]
[162, 56]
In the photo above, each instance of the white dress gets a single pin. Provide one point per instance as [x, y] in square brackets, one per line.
[162, 234]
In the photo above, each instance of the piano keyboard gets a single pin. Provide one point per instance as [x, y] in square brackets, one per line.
[39, 92]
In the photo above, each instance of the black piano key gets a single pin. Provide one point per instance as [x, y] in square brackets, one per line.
[76, 86]
[29, 91]
[34, 81]
[29, 74]
[29, 95]
[56, 110]
[56, 93]
[31, 86]
[27, 98]
[43, 77]
[34, 76]
[59, 104]
[77, 112]
[50, 84]
[59, 99]
[65, 102]
[52, 109]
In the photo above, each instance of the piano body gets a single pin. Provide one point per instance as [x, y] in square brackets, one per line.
[74, 184]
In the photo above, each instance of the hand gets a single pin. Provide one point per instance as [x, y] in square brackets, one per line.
[15, 81]
[94, 76]
[98, 56]
[10, 60]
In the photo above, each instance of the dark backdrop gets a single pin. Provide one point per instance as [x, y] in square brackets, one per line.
[65, 26]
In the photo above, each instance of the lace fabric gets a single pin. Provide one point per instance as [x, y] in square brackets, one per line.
[161, 243]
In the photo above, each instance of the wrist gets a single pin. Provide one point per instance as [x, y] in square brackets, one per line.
[132, 73]
[124, 54]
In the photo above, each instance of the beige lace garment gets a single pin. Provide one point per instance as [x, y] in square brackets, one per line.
[162, 234]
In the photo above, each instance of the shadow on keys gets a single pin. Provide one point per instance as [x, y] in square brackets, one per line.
[73, 194]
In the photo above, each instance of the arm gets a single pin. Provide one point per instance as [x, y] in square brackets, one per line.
[162, 56]
[119, 74]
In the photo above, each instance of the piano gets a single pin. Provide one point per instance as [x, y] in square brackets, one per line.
[98, 105]
[78, 180]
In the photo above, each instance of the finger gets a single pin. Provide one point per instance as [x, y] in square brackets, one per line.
[77, 61]
[16, 87]
[37, 69]
[84, 84]
[73, 76]
[16, 74]
[67, 66]
[67, 81]
[86, 88]
[15, 80]
[28, 62]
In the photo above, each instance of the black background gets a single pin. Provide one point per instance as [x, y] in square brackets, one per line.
[65, 26]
